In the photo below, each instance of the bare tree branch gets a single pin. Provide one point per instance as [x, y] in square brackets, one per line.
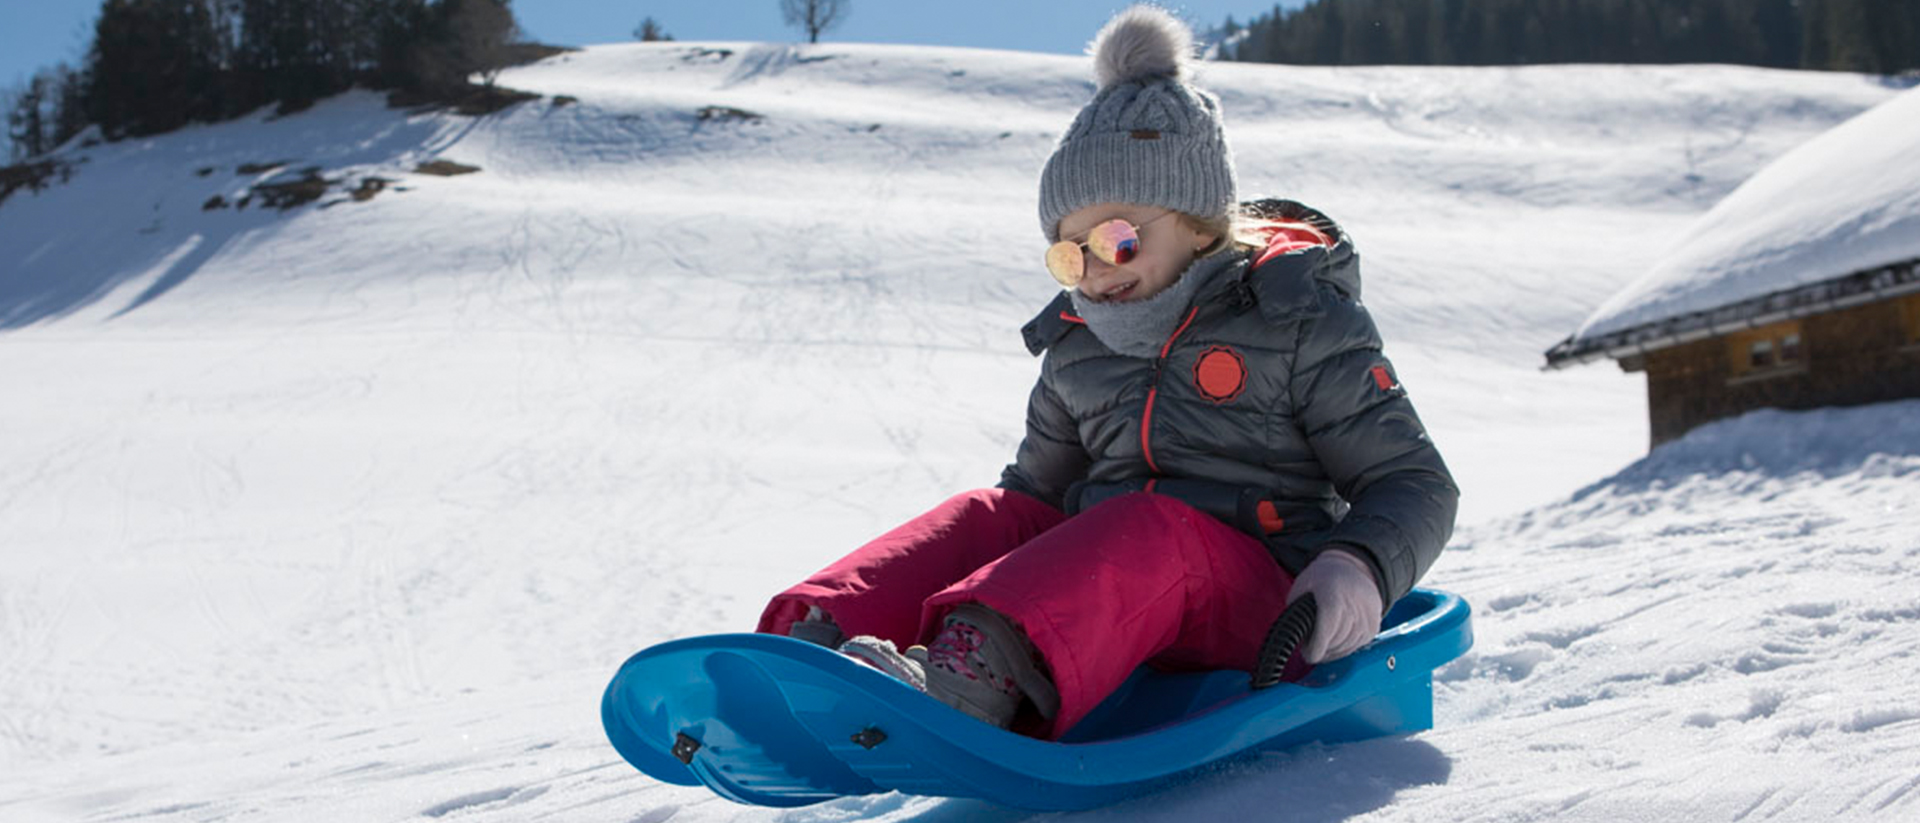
[815, 16]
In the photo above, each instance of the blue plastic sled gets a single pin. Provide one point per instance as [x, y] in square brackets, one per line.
[778, 722]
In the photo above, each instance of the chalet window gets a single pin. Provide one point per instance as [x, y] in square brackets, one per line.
[1790, 349]
[1770, 350]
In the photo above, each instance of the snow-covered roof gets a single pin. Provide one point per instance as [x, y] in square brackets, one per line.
[1834, 222]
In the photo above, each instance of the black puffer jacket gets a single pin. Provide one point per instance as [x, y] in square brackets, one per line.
[1272, 408]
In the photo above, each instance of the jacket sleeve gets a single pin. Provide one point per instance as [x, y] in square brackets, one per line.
[1051, 457]
[1363, 429]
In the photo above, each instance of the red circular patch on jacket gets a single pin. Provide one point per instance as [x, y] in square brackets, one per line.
[1220, 374]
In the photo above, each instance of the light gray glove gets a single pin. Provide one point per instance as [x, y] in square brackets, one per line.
[1348, 601]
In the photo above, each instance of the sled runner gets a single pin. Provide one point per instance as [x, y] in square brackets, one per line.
[774, 721]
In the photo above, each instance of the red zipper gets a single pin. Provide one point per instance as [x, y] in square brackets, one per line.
[1153, 392]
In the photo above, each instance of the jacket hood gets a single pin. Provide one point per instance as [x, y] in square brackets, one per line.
[1339, 263]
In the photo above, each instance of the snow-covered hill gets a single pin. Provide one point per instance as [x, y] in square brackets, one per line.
[1717, 632]
[347, 512]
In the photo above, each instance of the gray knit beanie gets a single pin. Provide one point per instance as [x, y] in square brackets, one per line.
[1148, 137]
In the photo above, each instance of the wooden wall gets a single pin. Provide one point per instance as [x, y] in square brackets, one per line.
[1866, 354]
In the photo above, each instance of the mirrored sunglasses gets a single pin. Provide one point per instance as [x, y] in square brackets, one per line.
[1115, 241]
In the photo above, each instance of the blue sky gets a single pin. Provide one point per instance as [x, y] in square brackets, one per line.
[39, 33]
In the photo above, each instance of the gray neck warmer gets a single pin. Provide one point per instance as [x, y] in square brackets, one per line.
[1139, 328]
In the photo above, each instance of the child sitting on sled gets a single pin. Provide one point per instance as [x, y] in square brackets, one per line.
[1214, 434]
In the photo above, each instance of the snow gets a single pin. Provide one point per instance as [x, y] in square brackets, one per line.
[1844, 202]
[349, 512]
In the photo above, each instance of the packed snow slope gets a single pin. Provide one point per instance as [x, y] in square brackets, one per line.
[348, 511]
[1722, 631]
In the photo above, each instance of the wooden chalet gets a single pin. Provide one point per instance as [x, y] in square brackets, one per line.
[1800, 289]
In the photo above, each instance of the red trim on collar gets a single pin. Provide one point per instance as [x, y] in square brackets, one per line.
[1291, 237]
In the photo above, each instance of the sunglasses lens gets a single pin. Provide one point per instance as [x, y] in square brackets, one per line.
[1066, 263]
[1114, 241]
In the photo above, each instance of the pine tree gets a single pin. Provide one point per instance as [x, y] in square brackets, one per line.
[1858, 35]
[649, 31]
[26, 119]
[154, 66]
[460, 38]
[391, 30]
[70, 103]
[1892, 36]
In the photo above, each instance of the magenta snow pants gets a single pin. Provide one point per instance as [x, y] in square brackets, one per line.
[1141, 578]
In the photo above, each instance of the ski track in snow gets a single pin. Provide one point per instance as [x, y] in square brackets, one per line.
[348, 513]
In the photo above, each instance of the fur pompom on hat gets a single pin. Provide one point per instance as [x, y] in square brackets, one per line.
[1148, 136]
[1140, 43]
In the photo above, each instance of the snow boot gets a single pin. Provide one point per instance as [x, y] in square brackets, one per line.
[980, 664]
[910, 667]
[817, 628]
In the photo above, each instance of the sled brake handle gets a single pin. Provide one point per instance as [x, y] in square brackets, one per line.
[1287, 638]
